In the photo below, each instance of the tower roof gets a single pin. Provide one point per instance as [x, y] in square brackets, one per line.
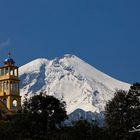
[9, 60]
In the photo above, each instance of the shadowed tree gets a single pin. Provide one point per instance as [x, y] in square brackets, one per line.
[40, 114]
[122, 112]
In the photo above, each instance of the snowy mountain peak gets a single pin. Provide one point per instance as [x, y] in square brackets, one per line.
[33, 65]
[71, 79]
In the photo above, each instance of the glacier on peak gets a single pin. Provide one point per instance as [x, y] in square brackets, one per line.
[69, 78]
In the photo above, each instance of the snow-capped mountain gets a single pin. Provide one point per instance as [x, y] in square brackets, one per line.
[71, 79]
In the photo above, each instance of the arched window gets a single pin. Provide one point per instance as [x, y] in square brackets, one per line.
[11, 71]
[5, 101]
[14, 103]
[7, 71]
[16, 73]
[13, 86]
[2, 72]
[16, 87]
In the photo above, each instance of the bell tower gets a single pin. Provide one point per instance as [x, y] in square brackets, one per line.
[9, 85]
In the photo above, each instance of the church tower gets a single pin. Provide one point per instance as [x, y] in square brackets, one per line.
[9, 85]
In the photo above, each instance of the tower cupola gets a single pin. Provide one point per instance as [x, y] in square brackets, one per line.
[9, 61]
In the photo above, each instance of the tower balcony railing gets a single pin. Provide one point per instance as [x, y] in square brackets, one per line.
[11, 92]
[3, 77]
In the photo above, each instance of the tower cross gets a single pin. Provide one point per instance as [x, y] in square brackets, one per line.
[9, 54]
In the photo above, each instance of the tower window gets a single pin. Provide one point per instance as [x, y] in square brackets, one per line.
[11, 86]
[11, 71]
[2, 72]
[16, 73]
[7, 71]
[14, 103]
[4, 86]
[5, 101]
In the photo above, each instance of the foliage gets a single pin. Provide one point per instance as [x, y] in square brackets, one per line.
[40, 115]
[122, 113]
[84, 130]
[46, 109]
[81, 130]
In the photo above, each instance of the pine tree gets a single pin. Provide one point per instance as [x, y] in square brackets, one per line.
[123, 112]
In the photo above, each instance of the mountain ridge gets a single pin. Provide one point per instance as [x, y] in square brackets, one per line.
[69, 78]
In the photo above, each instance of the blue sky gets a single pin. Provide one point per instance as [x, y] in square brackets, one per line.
[104, 33]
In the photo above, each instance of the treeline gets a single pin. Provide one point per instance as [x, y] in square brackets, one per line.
[41, 118]
[81, 130]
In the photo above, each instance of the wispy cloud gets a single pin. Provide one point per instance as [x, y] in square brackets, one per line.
[4, 43]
